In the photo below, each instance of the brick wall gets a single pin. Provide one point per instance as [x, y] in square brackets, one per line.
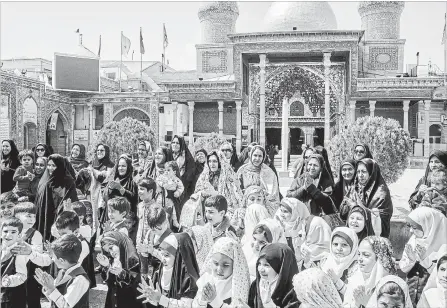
[206, 117]
[229, 119]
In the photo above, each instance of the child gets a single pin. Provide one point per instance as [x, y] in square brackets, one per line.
[436, 195]
[7, 202]
[13, 268]
[174, 284]
[273, 286]
[435, 292]
[84, 229]
[24, 174]
[391, 291]
[71, 286]
[215, 212]
[26, 212]
[169, 206]
[203, 242]
[122, 281]
[170, 181]
[117, 208]
[225, 278]
[254, 214]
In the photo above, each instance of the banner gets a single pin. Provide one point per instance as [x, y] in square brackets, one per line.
[53, 121]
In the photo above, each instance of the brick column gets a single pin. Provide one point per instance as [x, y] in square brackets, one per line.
[262, 58]
[427, 128]
[327, 96]
[372, 108]
[221, 107]
[238, 125]
[285, 133]
[406, 107]
[191, 122]
[73, 112]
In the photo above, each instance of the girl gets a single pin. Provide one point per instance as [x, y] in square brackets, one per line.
[225, 279]
[437, 160]
[267, 231]
[200, 159]
[391, 291]
[375, 262]
[9, 164]
[314, 239]
[314, 289]
[345, 184]
[291, 213]
[359, 220]
[121, 281]
[171, 183]
[426, 224]
[435, 292]
[174, 284]
[203, 242]
[273, 286]
[254, 214]
[342, 260]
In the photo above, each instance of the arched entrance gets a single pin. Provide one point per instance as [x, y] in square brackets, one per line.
[435, 133]
[133, 113]
[29, 116]
[29, 135]
[56, 135]
[296, 141]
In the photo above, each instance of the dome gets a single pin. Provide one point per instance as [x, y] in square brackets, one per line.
[304, 16]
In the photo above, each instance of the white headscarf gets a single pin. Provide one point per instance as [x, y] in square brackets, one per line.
[339, 265]
[372, 303]
[298, 210]
[317, 239]
[253, 215]
[315, 289]
[436, 294]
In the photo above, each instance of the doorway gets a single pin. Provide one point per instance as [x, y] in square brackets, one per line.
[29, 135]
[296, 140]
[319, 136]
[57, 138]
[273, 137]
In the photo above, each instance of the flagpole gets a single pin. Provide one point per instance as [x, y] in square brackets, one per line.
[141, 61]
[164, 50]
[121, 61]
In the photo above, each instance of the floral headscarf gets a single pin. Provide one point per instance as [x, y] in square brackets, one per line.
[204, 242]
[298, 210]
[372, 303]
[315, 289]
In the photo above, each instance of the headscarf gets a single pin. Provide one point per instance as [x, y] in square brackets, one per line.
[191, 208]
[252, 167]
[126, 179]
[166, 154]
[433, 281]
[275, 228]
[302, 164]
[324, 178]
[234, 160]
[200, 166]
[204, 241]
[128, 254]
[368, 153]
[323, 152]
[368, 229]
[282, 259]
[254, 214]
[434, 293]
[79, 162]
[251, 191]
[433, 224]
[185, 272]
[240, 279]
[339, 265]
[315, 289]
[317, 238]
[12, 159]
[97, 163]
[185, 161]
[372, 303]
[442, 156]
[341, 186]
[47, 152]
[298, 210]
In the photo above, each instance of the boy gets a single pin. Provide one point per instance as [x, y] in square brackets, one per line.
[215, 212]
[147, 189]
[26, 212]
[117, 208]
[13, 268]
[24, 174]
[7, 202]
[436, 195]
[71, 286]
[84, 229]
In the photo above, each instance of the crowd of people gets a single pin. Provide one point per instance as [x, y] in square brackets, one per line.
[170, 228]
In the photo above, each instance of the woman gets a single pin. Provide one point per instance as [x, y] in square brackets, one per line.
[300, 165]
[10, 162]
[161, 156]
[371, 190]
[39, 169]
[203, 242]
[122, 282]
[323, 152]
[314, 187]
[77, 157]
[185, 161]
[437, 160]
[345, 184]
[192, 213]
[375, 262]
[143, 164]
[273, 286]
[40, 150]
[427, 225]
[100, 170]
[314, 289]
[254, 214]
[361, 151]
[219, 178]
[255, 172]
[200, 159]
[435, 292]
[230, 154]
[391, 291]
[55, 186]
[359, 220]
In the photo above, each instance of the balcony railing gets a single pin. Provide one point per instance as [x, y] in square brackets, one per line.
[371, 84]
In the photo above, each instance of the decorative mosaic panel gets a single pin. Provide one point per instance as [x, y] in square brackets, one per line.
[214, 61]
[384, 58]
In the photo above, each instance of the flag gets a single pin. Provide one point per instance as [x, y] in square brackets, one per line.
[77, 31]
[165, 37]
[443, 33]
[141, 42]
[99, 50]
[125, 45]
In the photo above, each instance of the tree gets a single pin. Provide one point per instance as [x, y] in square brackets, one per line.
[209, 143]
[123, 137]
[390, 145]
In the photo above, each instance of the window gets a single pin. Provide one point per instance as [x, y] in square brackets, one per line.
[111, 75]
[246, 82]
[435, 133]
[99, 121]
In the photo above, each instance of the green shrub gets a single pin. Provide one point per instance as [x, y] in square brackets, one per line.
[209, 143]
[390, 145]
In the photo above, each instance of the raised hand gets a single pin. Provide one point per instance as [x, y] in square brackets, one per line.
[209, 293]
[103, 260]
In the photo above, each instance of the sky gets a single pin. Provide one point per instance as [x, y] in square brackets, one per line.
[38, 29]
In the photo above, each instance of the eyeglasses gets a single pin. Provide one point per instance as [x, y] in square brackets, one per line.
[227, 150]
[359, 151]
[40, 150]
[175, 142]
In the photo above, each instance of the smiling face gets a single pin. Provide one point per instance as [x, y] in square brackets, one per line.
[284, 214]
[213, 163]
[340, 247]
[259, 241]
[257, 157]
[10, 235]
[313, 167]
[366, 257]
[356, 221]
[175, 145]
[6, 148]
[6, 209]
[222, 266]
[40, 151]
[51, 167]
[122, 167]
[200, 157]
[75, 151]
[435, 163]
[213, 216]
[362, 174]
[442, 273]
[100, 151]
[39, 166]
[359, 152]
[159, 157]
[347, 172]
[255, 198]
[265, 270]
[142, 152]
[307, 154]
[115, 216]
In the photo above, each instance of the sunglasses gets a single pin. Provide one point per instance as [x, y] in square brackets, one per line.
[100, 150]
[40, 150]
[227, 150]
[175, 142]
[359, 152]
